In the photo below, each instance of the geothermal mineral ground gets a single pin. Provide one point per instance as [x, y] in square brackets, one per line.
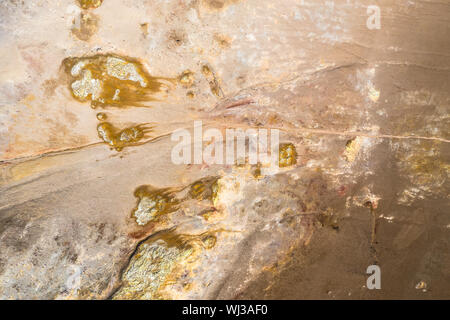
[120, 177]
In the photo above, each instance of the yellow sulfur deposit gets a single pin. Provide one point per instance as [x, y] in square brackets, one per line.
[204, 189]
[111, 80]
[153, 203]
[90, 4]
[160, 261]
[287, 155]
[124, 138]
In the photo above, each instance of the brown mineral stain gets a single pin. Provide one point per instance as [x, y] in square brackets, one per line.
[212, 80]
[287, 155]
[176, 38]
[209, 214]
[187, 79]
[214, 86]
[328, 219]
[256, 171]
[206, 71]
[204, 189]
[123, 138]
[216, 5]
[112, 80]
[144, 29]
[426, 163]
[223, 41]
[90, 4]
[49, 87]
[153, 203]
[424, 166]
[206, 240]
[101, 116]
[85, 26]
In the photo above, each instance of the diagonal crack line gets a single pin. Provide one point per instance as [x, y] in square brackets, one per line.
[304, 76]
[305, 130]
[330, 132]
[49, 153]
[368, 135]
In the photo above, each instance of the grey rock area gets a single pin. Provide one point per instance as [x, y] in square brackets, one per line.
[367, 111]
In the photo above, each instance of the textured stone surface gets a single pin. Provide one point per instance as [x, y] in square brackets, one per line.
[365, 112]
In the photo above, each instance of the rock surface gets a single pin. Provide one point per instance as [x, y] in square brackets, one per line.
[92, 207]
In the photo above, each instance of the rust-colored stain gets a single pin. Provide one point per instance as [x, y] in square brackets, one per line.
[287, 155]
[152, 203]
[85, 26]
[119, 139]
[216, 5]
[212, 80]
[90, 4]
[187, 79]
[204, 189]
[113, 80]
[223, 41]
[101, 116]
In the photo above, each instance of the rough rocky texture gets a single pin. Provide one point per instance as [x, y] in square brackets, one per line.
[366, 113]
